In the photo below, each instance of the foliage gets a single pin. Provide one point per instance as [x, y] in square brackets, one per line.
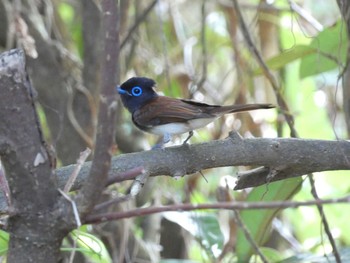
[90, 246]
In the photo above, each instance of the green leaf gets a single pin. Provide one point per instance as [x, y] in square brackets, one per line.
[204, 227]
[331, 46]
[4, 242]
[91, 246]
[288, 56]
[66, 12]
[272, 255]
[258, 221]
[327, 51]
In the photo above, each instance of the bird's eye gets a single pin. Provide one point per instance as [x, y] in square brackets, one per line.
[136, 91]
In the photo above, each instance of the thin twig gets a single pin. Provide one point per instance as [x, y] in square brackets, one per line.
[112, 201]
[268, 74]
[248, 236]
[138, 21]
[127, 175]
[73, 177]
[138, 183]
[4, 187]
[238, 205]
[204, 46]
[73, 120]
[305, 15]
[74, 246]
[324, 220]
[74, 207]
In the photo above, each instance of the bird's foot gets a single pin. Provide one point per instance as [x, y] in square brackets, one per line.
[166, 138]
[190, 134]
[158, 146]
[161, 145]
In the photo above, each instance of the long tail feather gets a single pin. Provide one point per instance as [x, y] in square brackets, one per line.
[242, 107]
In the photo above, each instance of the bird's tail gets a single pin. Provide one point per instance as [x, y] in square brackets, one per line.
[241, 107]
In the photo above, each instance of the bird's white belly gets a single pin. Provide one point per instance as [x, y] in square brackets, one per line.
[179, 128]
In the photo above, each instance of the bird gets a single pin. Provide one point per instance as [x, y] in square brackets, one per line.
[166, 116]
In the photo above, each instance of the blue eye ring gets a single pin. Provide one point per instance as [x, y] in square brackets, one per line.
[136, 91]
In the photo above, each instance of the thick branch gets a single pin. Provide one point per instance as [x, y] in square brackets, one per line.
[24, 155]
[27, 165]
[281, 158]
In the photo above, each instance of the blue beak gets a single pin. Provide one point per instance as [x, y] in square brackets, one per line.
[121, 91]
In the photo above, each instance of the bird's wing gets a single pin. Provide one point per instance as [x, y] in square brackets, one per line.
[163, 110]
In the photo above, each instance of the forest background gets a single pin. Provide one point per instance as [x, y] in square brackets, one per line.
[293, 54]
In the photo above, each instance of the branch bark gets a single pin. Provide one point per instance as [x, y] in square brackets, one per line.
[91, 191]
[280, 158]
[34, 234]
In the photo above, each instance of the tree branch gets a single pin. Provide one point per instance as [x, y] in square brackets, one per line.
[281, 158]
[23, 150]
[27, 166]
[107, 111]
[236, 205]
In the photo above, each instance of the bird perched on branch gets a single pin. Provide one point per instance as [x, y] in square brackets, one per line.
[167, 116]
